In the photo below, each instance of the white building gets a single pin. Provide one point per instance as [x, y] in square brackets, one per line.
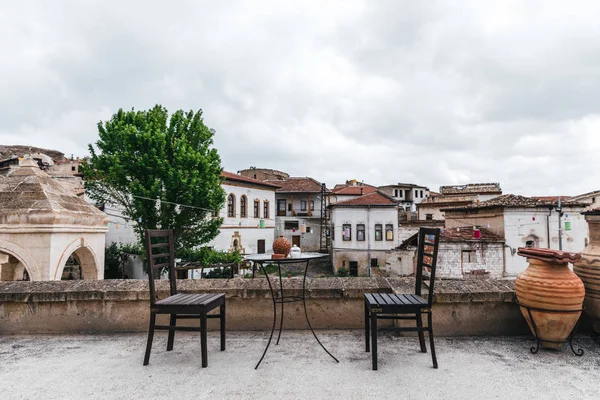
[408, 195]
[298, 211]
[362, 230]
[524, 222]
[248, 215]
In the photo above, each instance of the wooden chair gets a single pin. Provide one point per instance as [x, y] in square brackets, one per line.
[160, 254]
[397, 306]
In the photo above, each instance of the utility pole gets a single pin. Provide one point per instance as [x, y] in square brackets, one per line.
[560, 214]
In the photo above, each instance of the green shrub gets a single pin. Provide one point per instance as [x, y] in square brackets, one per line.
[343, 272]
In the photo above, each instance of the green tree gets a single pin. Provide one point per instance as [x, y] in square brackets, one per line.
[144, 156]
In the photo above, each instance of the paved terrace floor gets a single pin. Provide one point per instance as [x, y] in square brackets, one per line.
[110, 367]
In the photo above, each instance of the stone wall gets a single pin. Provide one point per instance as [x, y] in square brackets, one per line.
[470, 259]
[461, 307]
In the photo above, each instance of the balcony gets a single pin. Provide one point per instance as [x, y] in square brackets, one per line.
[476, 322]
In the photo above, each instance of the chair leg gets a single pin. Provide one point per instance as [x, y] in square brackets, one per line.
[367, 328]
[203, 343]
[222, 324]
[374, 339]
[421, 333]
[171, 339]
[150, 338]
[430, 329]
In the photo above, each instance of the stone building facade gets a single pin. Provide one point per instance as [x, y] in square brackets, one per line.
[44, 227]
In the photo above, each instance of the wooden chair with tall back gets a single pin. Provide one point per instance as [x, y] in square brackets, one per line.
[406, 306]
[161, 254]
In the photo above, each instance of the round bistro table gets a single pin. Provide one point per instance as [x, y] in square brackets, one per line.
[279, 297]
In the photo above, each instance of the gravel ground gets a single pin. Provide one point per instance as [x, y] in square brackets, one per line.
[110, 367]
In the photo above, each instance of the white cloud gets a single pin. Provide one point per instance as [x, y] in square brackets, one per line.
[433, 93]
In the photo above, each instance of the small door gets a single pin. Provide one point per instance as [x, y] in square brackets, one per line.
[353, 268]
[296, 240]
[260, 245]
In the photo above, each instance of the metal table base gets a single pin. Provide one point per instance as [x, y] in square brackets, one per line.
[281, 298]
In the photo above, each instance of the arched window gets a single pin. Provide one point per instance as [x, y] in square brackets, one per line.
[243, 201]
[231, 205]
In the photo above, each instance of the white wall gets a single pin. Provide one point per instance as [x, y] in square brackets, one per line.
[248, 227]
[354, 250]
[520, 226]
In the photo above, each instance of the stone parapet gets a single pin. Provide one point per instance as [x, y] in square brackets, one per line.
[462, 307]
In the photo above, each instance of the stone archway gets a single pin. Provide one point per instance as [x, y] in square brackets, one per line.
[84, 256]
[12, 268]
[15, 263]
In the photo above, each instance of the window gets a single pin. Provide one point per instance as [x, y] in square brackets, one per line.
[302, 205]
[360, 232]
[281, 207]
[308, 229]
[73, 168]
[312, 205]
[291, 225]
[256, 208]
[265, 209]
[395, 192]
[378, 232]
[466, 256]
[421, 194]
[429, 217]
[389, 232]
[346, 232]
[406, 193]
[374, 263]
[290, 207]
[243, 201]
[529, 243]
[231, 205]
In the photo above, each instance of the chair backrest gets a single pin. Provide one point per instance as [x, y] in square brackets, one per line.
[160, 253]
[429, 239]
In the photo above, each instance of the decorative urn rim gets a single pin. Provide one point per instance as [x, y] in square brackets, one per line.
[549, 255]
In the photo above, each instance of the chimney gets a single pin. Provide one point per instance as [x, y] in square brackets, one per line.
[361, 191]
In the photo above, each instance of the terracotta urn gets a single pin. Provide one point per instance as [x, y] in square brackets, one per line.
[588, 269]
[549, 286]
[282, 246]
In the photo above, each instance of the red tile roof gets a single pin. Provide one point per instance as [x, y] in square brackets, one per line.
[466, 233]
[297, 185]
[372, 199]
[229, 176]
[354, 190]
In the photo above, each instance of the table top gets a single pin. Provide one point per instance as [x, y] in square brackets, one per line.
[303, 257]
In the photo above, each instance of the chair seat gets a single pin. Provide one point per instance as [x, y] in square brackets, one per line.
[192, 300]
[391, 302]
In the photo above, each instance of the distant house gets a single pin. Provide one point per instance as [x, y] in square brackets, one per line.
[407, 195]
[456, 196]
[464, 253]
[362, 230]
[263, 174]
[298, 211]
[524, 222]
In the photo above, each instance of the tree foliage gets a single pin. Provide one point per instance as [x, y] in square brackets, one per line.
[146, 155]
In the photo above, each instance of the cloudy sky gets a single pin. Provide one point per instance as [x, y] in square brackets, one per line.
[431, 92]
